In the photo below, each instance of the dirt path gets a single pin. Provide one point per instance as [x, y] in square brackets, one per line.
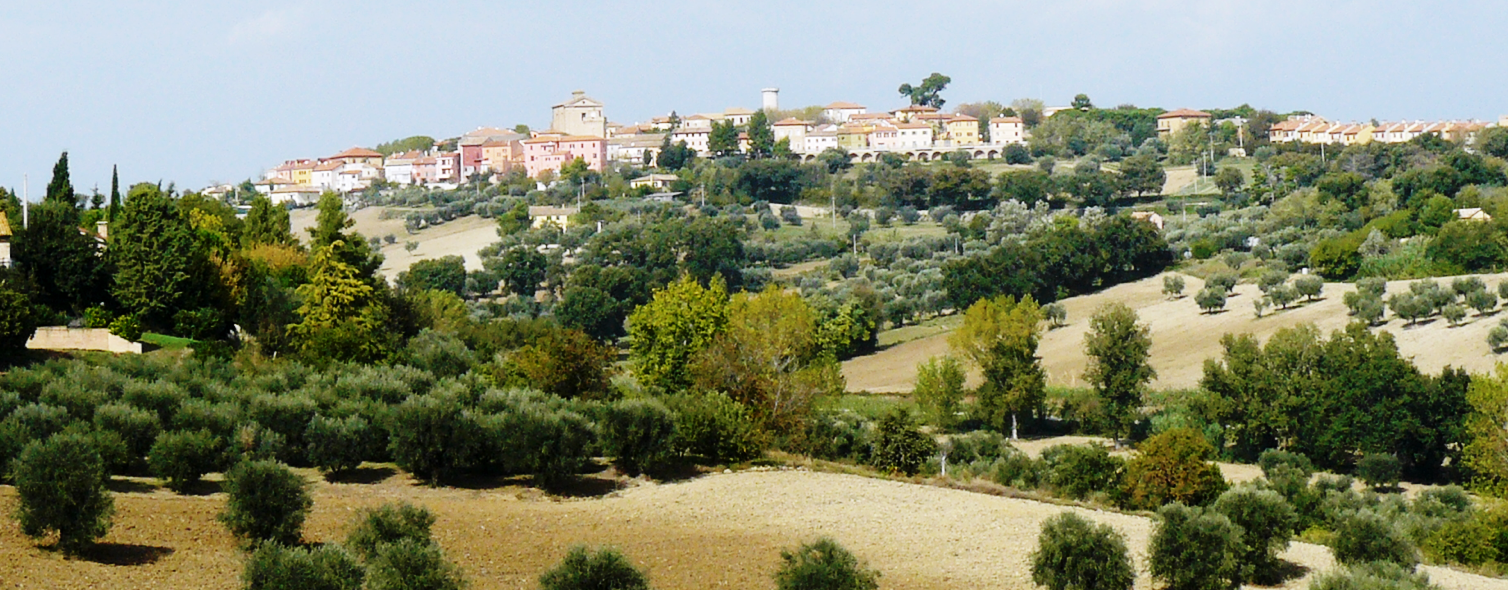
[718, 531]
[1183, 337]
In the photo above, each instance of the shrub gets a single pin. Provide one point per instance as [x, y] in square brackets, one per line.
[714, 427]
[639, 434]
[1020, 471]
[1309, 286]
[1055, 314]
[160, 397]
[387, 524]
[1379, 470]
[1372, 576]
[1497, 337]
[584, 569]
[430, 437]
[1075, 471]
[60, 487]
[1210, 300]
[1471, 541]
[981, 446]
[288, 415]
[1226, 281]
[1171, 467]
[338, 444]
[31, 422]
[1267, 523]
[1363, 536]
[266, 502]
[1374, 286]
[558, 442]
[1453, 313]
[252, 443]
[1483, 301]
[127, 326]
[1194, 549]
[408, 564]
[324, 567]
[221, 419]
[940, 389]
[823, 565]
[181, 458]
[441, 353]
[137, 428]
[899, 446]
[1075, 554]
[1172, 285]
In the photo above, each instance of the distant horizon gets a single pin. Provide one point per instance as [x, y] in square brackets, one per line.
[196, 94]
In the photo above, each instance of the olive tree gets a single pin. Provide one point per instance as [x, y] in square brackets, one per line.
[60, 485]
[1075, 554]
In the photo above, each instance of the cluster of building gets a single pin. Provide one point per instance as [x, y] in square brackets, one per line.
[1313, 129]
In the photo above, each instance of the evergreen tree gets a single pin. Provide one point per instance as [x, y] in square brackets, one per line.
[63, 263]
[330, 229]
[344, 317]
[60, 189]
[162, 268]
[267, 223]
[114, 193]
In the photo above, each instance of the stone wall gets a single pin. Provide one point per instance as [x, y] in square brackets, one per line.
[62, 338]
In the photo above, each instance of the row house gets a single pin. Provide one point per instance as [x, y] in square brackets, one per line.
[819, 140]
[963, 130]
[696, 138]
[296, 171]
[1311, 129]
[551, 152]
[489, 150]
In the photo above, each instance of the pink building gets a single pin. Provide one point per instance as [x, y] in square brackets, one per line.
[550, 153]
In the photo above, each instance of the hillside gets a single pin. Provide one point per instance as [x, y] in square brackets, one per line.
[1182, 337]
[461, 237]
[717, 531]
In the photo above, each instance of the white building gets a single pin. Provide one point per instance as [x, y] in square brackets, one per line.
[1004, 130]
[821, 139]
[839, 112]
[696, 138]
[580, 115]
[793, 130]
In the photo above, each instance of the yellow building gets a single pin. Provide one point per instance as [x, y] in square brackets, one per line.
[1171, 122]
[963, 130]
[852, 137]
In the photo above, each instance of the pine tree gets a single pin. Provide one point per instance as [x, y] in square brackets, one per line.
[330, 229]
[344, 317]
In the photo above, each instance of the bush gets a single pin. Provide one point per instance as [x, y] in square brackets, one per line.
[1372, 576]
[1379, 471]
[715, 428]
[324, 567]
[1172, 285]
[440, 353]
[338, 444]
[639, 434]
[1075, 554]
[181, 458]
[288, 415]
[60, 487]
[430, 437]
[1171, 467]
[28, 423]
[1363, 536]
[1226, 281]
[1194, 549]
[899, 446]
[1470, 541]
[1267, 523]
[1374, 286]
[823, 565]
[160, 397]
[584, 569]
[266, 502]
[388, 524]
[127, 326]
[1075, 471]
[137, 428]
[1210, 300]
[407, 564]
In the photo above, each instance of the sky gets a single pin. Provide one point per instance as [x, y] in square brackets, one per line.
[195, 93]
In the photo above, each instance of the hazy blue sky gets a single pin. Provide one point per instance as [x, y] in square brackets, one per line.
[196, 92]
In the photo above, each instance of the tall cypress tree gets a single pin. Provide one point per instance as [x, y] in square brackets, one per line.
[61, 187]
[114, 193]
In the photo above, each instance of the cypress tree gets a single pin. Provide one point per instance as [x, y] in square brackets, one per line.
[114, 193]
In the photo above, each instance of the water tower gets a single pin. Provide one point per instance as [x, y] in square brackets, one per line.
[771, 99]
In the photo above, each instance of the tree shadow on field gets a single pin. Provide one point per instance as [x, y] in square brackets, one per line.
[361, 475]
[125, 554]
[1282, 574]
[130, 486]
[585, 487]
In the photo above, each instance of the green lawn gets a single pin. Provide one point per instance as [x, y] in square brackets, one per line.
[166, 342]
[923, 329]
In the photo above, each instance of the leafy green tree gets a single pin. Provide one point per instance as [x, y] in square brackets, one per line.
[388, 523]
[447, 273]
[522, 269]
[1267, 523]
[761, 136]
[928, 92]
[267, 223]
[1363, 536]
[675, 156]
[60, 487]
[585, 569]
[329, 232]
[1229, 181]
[638, 434]
[567, 363]
[1000, 337]
[161, 266]
[823, 565]
[1142, 175]
[1210, 300]
[18, 319]
[338, 445]
[415, 143]
[899, 446]
[667, 333]
[61, 261]
[1075, 554]
[1486, 452]
[514, 220]
[265, 501]
[1379, 470]
[1118, 349]
[272, 566]
[723, 140]
[1081, 102]
[343, 316]
[1172, 286]
[768, 357]
[181, 458]
[1194, 549]
[940, 389]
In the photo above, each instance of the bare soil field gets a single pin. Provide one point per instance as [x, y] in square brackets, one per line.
[716, 531]
[1183, 337]
[462, 237]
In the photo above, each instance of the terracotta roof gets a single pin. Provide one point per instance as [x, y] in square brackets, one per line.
[330, 165]
[792, 121]
[1006, 120]
[487, 131]
[961, 118]
[4, 226]
[1184, 114]
[738, 111]
[916, 108]
[844, 105]
[357, 152]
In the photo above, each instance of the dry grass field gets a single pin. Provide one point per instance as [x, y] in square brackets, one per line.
[1183, 337]
[461, 237]
[715, 531]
